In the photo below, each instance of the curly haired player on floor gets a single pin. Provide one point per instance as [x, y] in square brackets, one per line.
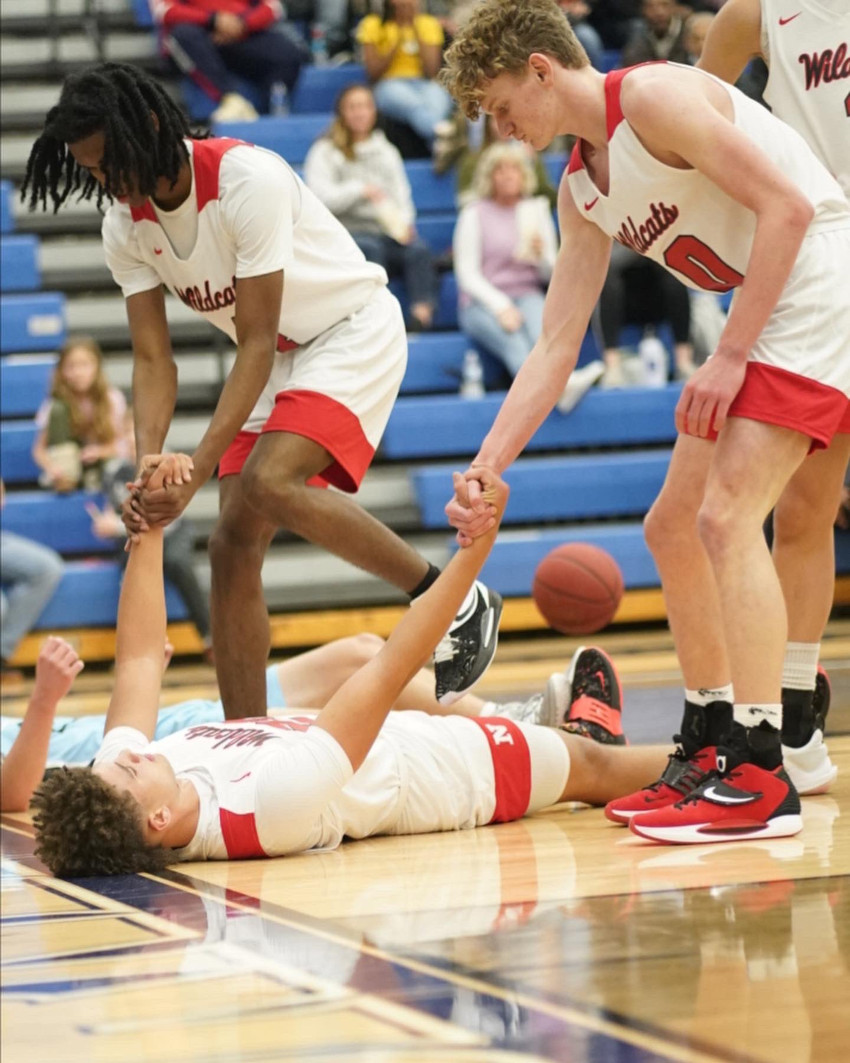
[268, 787]
[687, 170]
[320, 353]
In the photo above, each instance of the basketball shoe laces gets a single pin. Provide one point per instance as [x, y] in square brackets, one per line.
[681, 774]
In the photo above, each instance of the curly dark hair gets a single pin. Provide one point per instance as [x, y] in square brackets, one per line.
[498, 38]
[84, 826]
[143, 132]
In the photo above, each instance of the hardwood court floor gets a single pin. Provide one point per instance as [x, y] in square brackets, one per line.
[561, 937]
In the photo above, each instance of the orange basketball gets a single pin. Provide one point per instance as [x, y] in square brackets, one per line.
[577, 587]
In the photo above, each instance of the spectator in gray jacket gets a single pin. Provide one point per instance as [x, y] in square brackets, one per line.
[360, 177]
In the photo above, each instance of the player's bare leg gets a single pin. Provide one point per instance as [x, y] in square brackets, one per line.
[752, 463]
[274, 482]
[238, 613]
[599, 773]
[687, 577]
[803, 539]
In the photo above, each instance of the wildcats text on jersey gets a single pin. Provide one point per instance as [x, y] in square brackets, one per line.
[825, 66]
[206, 300]
[641, 238]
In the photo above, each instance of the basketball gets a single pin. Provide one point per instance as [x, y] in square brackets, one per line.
[577, 587]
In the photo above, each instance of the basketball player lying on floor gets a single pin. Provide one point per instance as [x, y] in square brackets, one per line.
[269, 787]
[41, 739]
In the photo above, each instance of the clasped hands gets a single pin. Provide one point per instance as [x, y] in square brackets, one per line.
[479, 501]
[161, 491]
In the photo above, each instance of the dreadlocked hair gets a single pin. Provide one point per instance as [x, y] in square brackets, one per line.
[143, 132]
[84, 826]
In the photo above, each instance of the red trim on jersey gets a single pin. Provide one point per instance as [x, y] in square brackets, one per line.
[207, 156]
[775, 396]
[613, 88]
[576, 161]
[322, 419]
[239, 830]
[511, 767]
[144, 213]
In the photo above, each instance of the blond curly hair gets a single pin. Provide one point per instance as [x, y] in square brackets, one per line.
[516, 155]
[498, 39]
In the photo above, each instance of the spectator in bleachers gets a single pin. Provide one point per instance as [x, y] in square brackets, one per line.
[178, 545]
[504, 252]
[402, 53]
[215, 42]
[577, 12]
[637, 291]
[468, 159]
[29, 575]
[360, 177]
[661, 35]
[82, 423]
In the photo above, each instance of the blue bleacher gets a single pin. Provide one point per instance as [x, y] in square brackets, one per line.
[441, 426]
[32, 322]
[24, 382]
[445, 315]
[289, 135]
[7, 220]
[16, 464]
[437, 230]
[57, 520]
[435, 360]
[19, 264]
[560, 489]
[318, 87]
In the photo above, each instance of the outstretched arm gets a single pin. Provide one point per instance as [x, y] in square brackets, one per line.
[57, 667]
[354, 715]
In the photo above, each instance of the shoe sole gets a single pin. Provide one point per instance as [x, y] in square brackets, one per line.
[624, 818]
[700, 834]
[452, 696]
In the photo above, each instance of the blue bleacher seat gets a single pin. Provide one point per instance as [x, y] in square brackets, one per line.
[24, 383]
[431, 192]
[142, 14]
[288, 135]
[445, 316]
[59, 521]
[434, 362]
[87, 596]
[19, 265]
[440, 426]
[32, 322]
[16, 464]
[437, 230]
[555, 164]
[585, 487]
[7, 220]
[612, 59]
[318, 87]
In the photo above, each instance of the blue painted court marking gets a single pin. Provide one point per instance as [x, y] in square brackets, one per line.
[517, 1018]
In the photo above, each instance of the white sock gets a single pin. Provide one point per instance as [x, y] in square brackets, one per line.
[705, 695]
[751, 715]
[800, 669]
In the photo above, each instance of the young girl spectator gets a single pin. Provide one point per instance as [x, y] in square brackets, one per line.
[504, 252]
[402, 53]
[81, 424]
[360, 177]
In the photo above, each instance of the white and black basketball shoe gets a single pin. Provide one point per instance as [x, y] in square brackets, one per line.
[467, 649]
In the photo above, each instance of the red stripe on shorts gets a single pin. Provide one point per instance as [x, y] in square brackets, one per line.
[317, 417]
[511, 767]
[240, 835]
[778, 397]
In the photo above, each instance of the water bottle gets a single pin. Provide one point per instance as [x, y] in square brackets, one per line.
[318, 44]
[653, 358]
[472, 378]
[279, 99]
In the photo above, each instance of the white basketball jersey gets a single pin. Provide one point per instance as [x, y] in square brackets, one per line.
[254, 216]
[806, 44]
[682, 219]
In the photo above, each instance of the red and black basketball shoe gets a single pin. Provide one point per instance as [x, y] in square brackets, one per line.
[596, 701]
[741, 800]
[687, 766]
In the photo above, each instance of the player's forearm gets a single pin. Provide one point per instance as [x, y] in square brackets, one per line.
[141, 625]
[530, 400]
[241, 391]
[778, 237]
[154, 398]
[23, 767]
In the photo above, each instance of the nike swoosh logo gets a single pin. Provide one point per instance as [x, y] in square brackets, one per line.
[157, 250]
[710, 794]
[591, 204]
[785, 21]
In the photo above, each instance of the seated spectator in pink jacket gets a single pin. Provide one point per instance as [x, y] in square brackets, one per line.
[217, 41]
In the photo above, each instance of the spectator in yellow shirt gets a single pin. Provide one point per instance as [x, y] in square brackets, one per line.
[402, 53]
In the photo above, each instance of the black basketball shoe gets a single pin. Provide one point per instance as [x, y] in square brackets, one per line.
[597, 697]
[467, 649]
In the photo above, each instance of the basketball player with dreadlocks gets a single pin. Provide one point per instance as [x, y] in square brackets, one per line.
[233, 232]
